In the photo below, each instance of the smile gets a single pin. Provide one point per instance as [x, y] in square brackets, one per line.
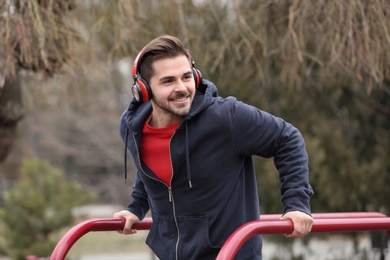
[180, 99]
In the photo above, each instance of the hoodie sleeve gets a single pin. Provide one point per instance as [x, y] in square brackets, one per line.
[139, 205]
[256, 132]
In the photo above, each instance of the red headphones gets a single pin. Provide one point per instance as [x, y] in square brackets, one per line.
[141, 89]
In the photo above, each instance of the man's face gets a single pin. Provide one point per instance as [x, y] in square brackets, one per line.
[173, 87]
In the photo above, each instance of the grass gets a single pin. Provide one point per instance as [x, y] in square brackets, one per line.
[107, 242]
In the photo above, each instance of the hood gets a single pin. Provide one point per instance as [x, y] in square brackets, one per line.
[204, 97]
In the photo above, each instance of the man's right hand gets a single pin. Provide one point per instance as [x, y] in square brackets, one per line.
[130, 220]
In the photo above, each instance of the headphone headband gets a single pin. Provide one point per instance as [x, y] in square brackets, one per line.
[134, 71]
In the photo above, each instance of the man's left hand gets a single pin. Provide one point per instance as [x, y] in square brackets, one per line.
[302, 223]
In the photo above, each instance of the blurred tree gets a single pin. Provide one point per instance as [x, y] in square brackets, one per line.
[39, 205]
[34, 37]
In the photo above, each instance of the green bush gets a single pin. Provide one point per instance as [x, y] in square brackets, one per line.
[37, 206]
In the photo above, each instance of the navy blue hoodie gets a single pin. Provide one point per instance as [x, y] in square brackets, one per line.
[213, 190]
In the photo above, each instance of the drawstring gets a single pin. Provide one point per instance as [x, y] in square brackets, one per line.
[188, 159]
[125, 159]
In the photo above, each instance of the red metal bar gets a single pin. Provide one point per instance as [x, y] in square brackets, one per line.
[110, 224]
[246, 231]
[279, 227]
[331, 215]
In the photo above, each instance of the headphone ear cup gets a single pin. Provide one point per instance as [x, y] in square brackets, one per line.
[197, 77]
[141, 91]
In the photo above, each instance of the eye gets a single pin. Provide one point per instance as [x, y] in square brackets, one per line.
[187, 77]
[167, 81]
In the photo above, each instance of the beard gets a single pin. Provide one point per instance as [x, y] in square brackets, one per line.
[175, 109]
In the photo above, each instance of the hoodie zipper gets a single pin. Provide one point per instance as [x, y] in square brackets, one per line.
[170, 193]
[171, 199]
[177, 225]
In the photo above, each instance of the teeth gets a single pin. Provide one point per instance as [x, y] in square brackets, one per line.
[181, 99]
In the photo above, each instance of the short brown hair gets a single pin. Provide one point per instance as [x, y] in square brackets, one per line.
[164, 46]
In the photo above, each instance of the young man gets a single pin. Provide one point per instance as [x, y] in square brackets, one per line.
[193, 153]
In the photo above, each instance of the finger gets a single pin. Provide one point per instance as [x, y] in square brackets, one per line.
[117, 215]
[307, 226]
[295, 234]
[127, 228]
[299, 233]
[300, 230]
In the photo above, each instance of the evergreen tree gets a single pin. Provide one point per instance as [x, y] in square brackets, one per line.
[39, 205]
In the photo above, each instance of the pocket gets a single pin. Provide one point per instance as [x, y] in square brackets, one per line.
[162, 237]
[193, 243]
[194, 240]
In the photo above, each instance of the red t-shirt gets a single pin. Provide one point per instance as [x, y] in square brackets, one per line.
[155, 150]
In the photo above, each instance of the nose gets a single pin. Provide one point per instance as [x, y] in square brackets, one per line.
[180, 86]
